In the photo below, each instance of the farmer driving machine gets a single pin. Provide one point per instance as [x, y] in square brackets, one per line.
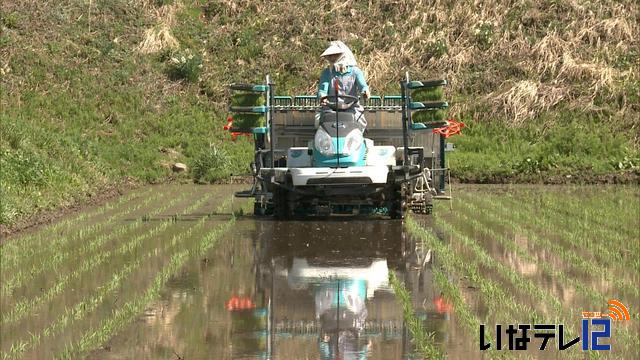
[323, 160]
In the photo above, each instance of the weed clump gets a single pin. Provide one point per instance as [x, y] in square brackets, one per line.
[185, 65]
[217, 163]
[437, 48]
[484, 35]
[10, 20]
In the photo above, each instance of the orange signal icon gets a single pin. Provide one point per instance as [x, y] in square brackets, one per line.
[617, 311]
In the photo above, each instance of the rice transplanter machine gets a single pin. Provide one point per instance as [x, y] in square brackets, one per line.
[321, 160]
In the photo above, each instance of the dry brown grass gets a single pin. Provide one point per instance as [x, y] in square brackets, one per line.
[159, 37]
[156, 39]
[525, 99]
[540, 56]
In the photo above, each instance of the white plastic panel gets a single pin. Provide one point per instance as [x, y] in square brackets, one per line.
[298, 157]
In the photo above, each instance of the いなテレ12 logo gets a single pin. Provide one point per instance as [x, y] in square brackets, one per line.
[596, 327]
[590, 338]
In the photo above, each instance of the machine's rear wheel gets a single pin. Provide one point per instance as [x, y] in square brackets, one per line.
[398, 204]
[428, 209]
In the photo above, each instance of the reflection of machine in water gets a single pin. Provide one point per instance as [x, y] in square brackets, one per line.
[323, 288]
[340, 295]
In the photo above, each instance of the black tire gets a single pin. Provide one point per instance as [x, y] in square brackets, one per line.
[258, 209]
[280, 203]
[268, 211]
[397, 207]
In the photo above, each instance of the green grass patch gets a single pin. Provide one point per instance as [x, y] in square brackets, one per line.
[83, 108]
[560, 145]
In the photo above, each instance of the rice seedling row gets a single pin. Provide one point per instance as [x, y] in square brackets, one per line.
[604, 245]
[502, 306]
[84, 231]
[510, 245]
[470, 322]
[523, 284]
[90, 303]
[74, 313]
[604, 202]
[600, 205]
[515, 220]
[125, 314]
[573, 259]
[491, 290]
[422, 341]
[602, 226]
[607, 221]
[581, 194]
[55, 246]
[588, 292]
[59, 258]
[561, 314]
[451, 290]
[17, 247]
[585, 290]
[23, 307]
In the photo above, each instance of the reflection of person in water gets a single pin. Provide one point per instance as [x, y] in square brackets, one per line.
[346, 345]
[341, 310]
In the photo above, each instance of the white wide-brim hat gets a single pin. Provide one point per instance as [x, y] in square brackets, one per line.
[333, 49]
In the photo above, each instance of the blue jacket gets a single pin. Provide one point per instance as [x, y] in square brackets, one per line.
[351, 82]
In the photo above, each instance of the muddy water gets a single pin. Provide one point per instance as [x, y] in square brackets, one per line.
[293, 290]
[313, 289]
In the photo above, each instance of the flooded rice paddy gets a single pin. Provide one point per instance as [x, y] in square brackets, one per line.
[183, 272]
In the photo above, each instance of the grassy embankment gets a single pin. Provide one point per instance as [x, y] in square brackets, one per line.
[95, 93]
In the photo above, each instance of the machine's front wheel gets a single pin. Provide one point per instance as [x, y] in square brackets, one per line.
[258, 209]
[281, 203]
